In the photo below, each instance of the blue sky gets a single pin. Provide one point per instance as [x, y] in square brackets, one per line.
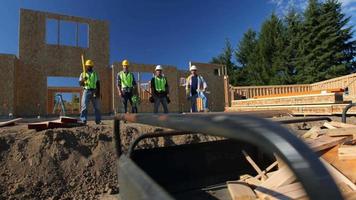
[159, 31]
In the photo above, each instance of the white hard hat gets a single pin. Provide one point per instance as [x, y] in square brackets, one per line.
[159, 67]
[193, 67]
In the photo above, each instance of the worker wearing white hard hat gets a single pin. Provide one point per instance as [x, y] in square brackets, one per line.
[196, 87]
[160, 90]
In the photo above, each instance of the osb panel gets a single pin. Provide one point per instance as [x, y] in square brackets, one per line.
[40, 60]
[7, 76]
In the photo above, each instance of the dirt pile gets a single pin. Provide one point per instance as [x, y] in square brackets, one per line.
[71, 163]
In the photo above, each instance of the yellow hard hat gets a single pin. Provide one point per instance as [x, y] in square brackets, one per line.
[125, 63]
[89, 63]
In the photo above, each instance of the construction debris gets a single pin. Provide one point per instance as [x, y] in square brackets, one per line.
[337, 152]
[10, 122]
[63, 122]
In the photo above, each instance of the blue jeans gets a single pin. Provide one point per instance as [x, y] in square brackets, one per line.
[193, 100]
[125, 98]
[88, 96]
[160, 100]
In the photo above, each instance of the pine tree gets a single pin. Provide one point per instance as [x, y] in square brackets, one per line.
[245, 57]
[225, 59]
[269, 43]
[336, 46]
[326, 50]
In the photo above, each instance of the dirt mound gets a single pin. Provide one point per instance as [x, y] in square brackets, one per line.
[71, 163]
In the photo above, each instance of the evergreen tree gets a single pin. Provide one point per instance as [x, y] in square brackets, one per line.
[269, 42]
[225, 59]
[245, 57]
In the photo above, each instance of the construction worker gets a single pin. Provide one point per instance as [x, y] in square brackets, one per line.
[160, 90]
[91, 84]
[125, 85]
[196, 87]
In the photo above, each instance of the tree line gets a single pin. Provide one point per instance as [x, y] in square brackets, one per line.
[300, 47]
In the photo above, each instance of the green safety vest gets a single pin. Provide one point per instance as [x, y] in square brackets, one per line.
[91, 82]
[160, 84]
[126, 79]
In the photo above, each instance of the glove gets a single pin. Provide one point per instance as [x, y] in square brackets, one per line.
[168, 100]
[151, 99]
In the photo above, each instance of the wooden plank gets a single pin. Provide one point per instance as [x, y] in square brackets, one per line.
[341, 125]
[338, 177]
[283, 176]
[291, 191]
[68, 119]
[51, 124]
[10, 122]
[325, 142]
[240, 191]
[312, 133]
[347, 152]
[254, 165]
[328, 125]
[346, 167]
[339, 132]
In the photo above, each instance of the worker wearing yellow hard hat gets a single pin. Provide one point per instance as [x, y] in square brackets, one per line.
[126, 86]
[89, 80]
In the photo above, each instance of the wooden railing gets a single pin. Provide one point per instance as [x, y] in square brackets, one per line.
[348, 81]
[252, 91]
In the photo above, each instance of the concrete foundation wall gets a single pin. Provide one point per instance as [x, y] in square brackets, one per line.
[7, 89]
[40, 60]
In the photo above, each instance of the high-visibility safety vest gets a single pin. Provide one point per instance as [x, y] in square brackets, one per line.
[160, 84]
[90, 83]
[126, 79]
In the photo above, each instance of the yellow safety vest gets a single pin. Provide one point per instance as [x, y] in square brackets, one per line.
[160, 84]
[90, 83]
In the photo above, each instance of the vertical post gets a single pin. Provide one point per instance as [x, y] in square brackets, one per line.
[226, 92]
[113, 88]
[117, 139]
[77, 35]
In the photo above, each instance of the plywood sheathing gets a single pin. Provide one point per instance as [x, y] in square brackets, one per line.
[40, 60]
[7, 88]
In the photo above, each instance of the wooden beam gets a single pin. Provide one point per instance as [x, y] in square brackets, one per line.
[312, 133]
[341, 125]
[240, 191]
[325, 142]
[328, 125]
[339, 132]
[254, 165]
[10, 122]
[274, 164]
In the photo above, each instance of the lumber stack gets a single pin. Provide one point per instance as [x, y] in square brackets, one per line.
[334, 142]
[302, 104]
[62, 122]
